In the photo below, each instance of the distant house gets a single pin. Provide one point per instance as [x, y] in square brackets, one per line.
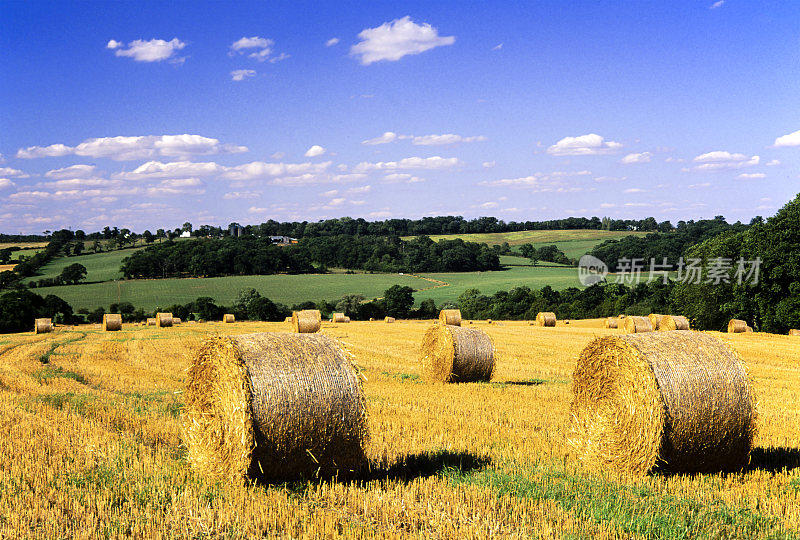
[186, 234]
[236, 231]
[283, 240]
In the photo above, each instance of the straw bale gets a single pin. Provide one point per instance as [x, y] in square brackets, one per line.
[306, 321]
[545, 318]
[635, 325]
[736, 326]
[655, 320]
[674, 322]
[611, 322]
[794, 332]
[450, 316]
[274, 406]
[229, 318]
[151, 321]
[388, 320]
[43, 326]
[748, 329]
[338, 318]
[112, 322]
[456, 354]
[176, 320]
[163, 320]
[679, 401]
[346, 319]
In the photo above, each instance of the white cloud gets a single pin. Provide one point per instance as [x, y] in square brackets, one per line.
[642, 157]
[489, 164]
[634, 190]
[140, 147]
[497, 47]
[73, 171]
[259, 49]
[6, 183]
[431, 163]
[8, 171]
[257, 210]
[361, 189]
[717, 4]
[447, 138]
[607, 205]
[403, 178]
[720, 159]
[638, 205]
[234, 195]
[792, 139]
[488, 204]
[260, 169]
[701, 185]
[314, 151]
[391, 41]
[331, 42]
[331, 193]
[752, 175]
[386, 138]
[773, 163]
[154, 50]
[241, 74]
[583, 145]
[174, 169]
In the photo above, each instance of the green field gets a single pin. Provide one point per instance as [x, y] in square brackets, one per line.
[99, 266]
[573, 243]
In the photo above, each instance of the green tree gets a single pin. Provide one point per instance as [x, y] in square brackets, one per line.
[399, 299]
[73, 273]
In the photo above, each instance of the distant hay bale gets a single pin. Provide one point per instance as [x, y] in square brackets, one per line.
[545, 318]
[163, 320]
[655, 320]
[229, 318]
[736, 326]
[288, 319]
[176, 320]
[611, 322]
[43, 326]
[389, 320]
[275, 406]
[748, 329]
[636, 325]
[371, 319]
[456, 354]
[306, 321]
[794, 332]
[674, 322]
[450, 316]
[346, 319]
[151, 321]
[112, 322]
[621, 316]
[488, 321]
[680, 401]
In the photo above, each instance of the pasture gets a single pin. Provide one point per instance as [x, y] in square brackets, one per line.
[99, 266]
[91, 446]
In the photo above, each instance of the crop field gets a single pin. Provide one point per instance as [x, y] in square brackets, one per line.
[91, 446]
[573, 243]
[99, 266]
[20, 245]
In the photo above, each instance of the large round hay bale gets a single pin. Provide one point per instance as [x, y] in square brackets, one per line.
[275, 406]
[229, 318]
[456, 354]
[679, 401]
[388, 320]
[151, 321]
[112, 322]
[636, 325]
[176, 320]
[794, 332]
[338, 317]
[736, 326]
[306, 321]
[655, 320]
[450, 316]
[611, 322]
[163, 320]
[674, 322]
[545, 318]
[42, 326]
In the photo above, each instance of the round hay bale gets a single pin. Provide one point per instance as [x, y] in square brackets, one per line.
[450, 316]
[289, 319]
[674, 322]
[176, 320]
[621, 316]
[456, 354]
[389, 320]
[274, 406]
[636, 325]
[611, 322]
[42, 326]
[346, 319]
[372, 319]
[488, 321]
[655, 320]
[306, 321]
[545, 318]
[112, 322]
[163, 320]
[736, 326]
[151, 321]
[794, 332]
[229, 318]
[680, 401]
[748, 329]
[338, 318]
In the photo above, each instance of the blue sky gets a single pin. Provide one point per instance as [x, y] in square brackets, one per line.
[146, 115]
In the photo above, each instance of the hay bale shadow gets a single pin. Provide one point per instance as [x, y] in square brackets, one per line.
[774, 460]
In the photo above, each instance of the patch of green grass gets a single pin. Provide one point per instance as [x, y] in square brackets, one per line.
[66, 400]
[53, 372]
[166, 402]
[630, 509]
[99, 266]
[403, 377]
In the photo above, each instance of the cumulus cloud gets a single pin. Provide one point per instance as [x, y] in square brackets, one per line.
[314, 151]
[257, 48]
[73, 171]
[8, 171]
[396, 178]
[634, 190]
[386, 138]
[447, 138]
[235, 195]
[260, 169]
[140, 147]
[642, 157]
[717, 4]
[174, 169]
[391, 41]
[489, 164]
[6, 183]
[773, 163]
[360, 189]
[540, 182]
[331, 42]
[241, 74]
[431, 163]
[154, 50]
[720, 160]
[583, 145]
[746, 176]
[792, 139]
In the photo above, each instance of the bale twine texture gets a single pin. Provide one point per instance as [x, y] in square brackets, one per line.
[611, 322]
[674, 322]
[163, 320]
[450, 316]
[388, 320]
[736, 326]
[546, 318]
[229, 318]
[42, 326]
[679, 401]
[112, 322]
[636, 325]
[307, 321]
[274, 406]
[456, 354]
